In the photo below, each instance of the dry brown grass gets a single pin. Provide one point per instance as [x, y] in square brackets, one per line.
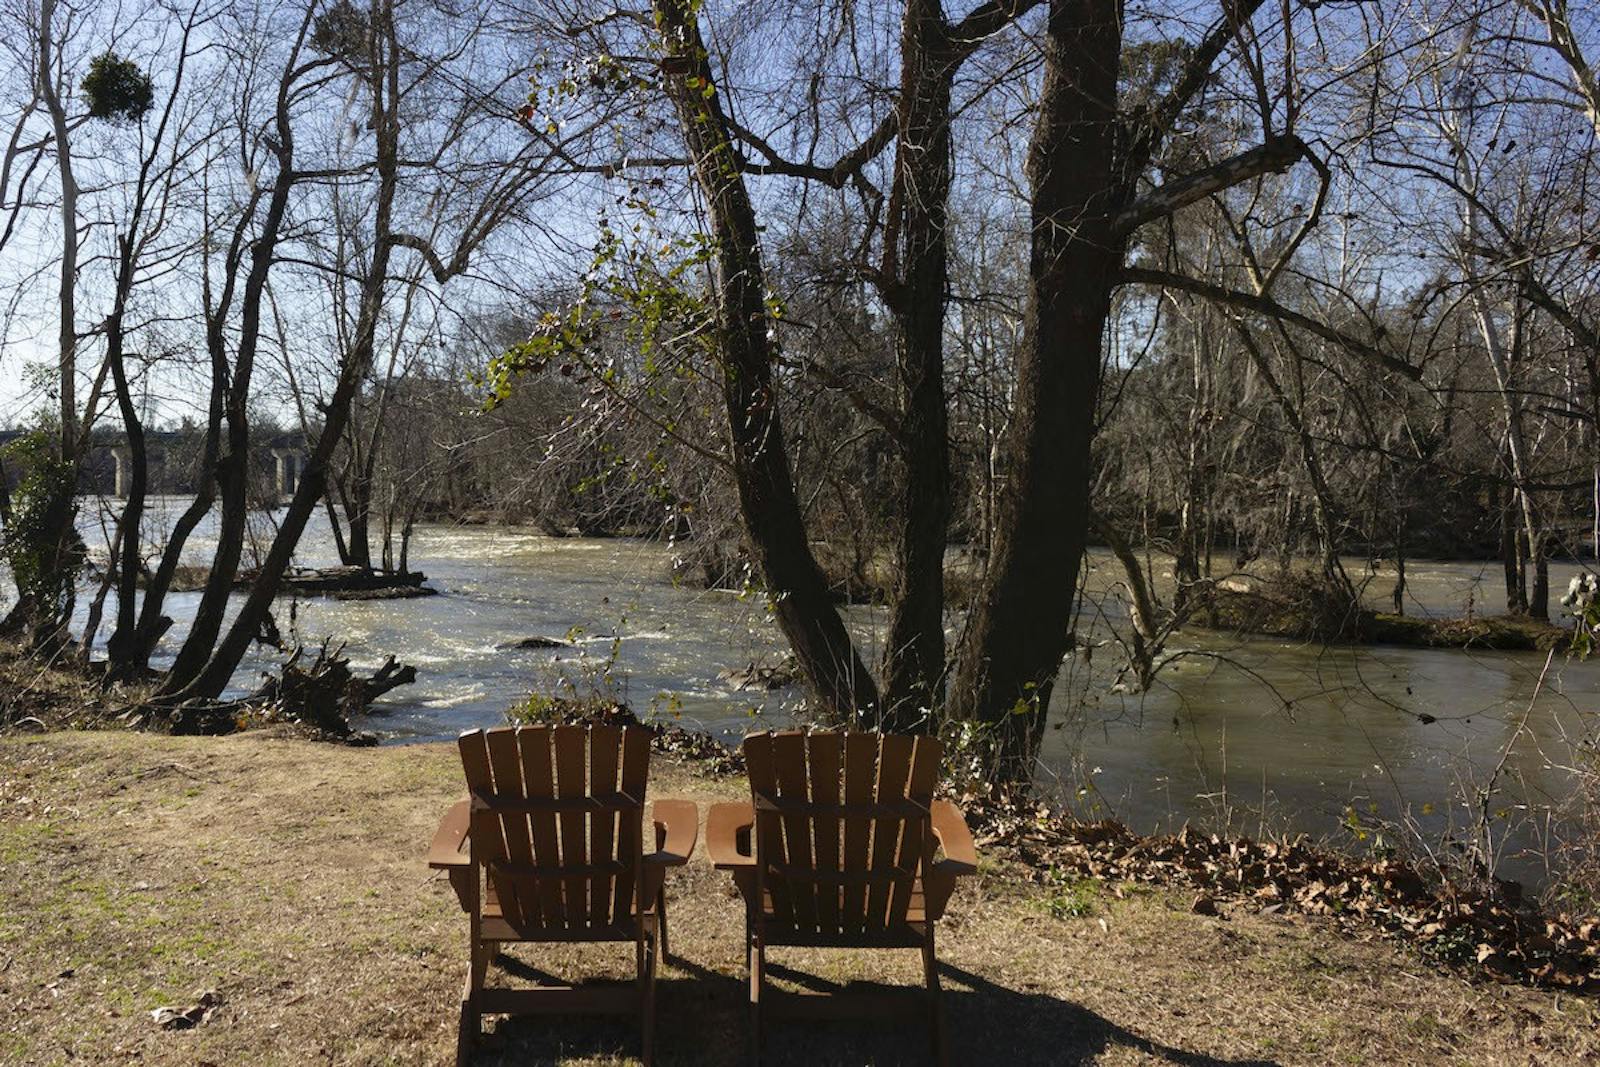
[137, 870]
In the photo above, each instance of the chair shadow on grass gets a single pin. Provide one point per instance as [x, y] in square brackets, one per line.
[702, 1015]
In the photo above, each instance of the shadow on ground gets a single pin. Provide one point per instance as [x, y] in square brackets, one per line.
[702, 1020]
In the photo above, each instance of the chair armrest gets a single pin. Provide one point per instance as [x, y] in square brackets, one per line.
[961, 855]
[677, 824]
[451, 847]
[724, 825]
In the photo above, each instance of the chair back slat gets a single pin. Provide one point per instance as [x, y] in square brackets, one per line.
[571, 781]
[841, 867]
[860, 785]
[538, 777]
[487, 836]
[635, 767]
[518, 900]
[894, 771]
[605, 752]
[825, 754]
[789, 764]
[557, 819]
[916, 835]
[760, 766]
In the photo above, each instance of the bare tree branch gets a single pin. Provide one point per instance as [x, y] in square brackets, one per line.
[1265, 305]
[1277, 155]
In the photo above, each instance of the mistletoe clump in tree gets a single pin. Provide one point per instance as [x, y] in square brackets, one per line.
[117, 90]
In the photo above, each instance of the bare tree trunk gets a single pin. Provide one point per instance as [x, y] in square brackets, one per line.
[383, 83]
[1142, 605]
[152, 623]
[126, 653]
[232, 469]
[66, 307]
[122, 646]
[833, 669]
[915, 273]
[1399, 593]
[1186, 561]
[1020, 628]
[1510, 551]
[358, 515]
[1325, 508]
[1537, 602]
[91, 623]
[47, 623]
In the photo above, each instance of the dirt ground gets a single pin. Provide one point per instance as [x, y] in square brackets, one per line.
[138, 872]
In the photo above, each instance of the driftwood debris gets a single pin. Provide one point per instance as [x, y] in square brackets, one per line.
[325, 692]
[759, 677]
[321, 694]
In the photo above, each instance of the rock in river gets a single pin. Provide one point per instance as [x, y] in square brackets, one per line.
[532, 642]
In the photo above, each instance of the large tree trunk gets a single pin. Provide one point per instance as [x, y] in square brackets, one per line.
[833, 669]
[358, 518]
[47, 622]
[916, 254]
[122, 647]
[1021, 624]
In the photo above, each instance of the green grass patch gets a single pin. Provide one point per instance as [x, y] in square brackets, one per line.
[1070, 898]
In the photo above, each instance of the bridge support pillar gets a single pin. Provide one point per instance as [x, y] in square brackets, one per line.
[122, 477]
[285, 471]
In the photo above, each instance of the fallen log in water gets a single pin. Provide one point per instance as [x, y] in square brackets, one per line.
[341, 583]
[337, 581]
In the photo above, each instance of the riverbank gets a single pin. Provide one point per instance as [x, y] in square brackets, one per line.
[1260, 612]
[278, 886]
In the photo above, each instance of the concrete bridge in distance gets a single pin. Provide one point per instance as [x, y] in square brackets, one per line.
[277, 461]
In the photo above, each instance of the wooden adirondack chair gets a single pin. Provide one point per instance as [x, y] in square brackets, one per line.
[551, 846]
[837, 848]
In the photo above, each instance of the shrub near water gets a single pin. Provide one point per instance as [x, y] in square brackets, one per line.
[39, 541]
[1578, 888]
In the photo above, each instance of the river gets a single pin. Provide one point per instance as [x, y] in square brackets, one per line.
[1256, 733]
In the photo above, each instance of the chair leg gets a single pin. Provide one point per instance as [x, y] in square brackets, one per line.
[661, 923]
[757, 960]
[647, 975]
[467, 1029]
[471, 1022]
[930, 974]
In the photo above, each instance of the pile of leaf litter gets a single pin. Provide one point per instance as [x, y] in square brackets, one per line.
[1483, 932]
